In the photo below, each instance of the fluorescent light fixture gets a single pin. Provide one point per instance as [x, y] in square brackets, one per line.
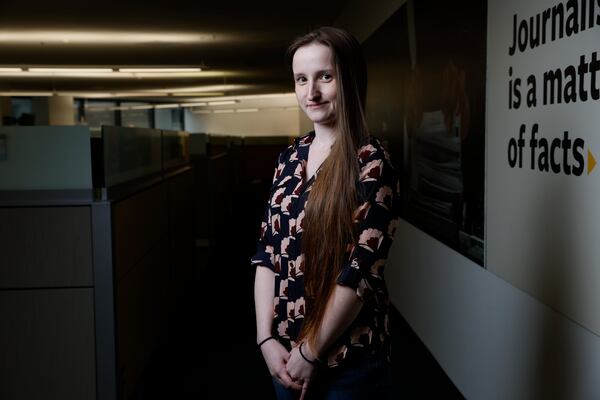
[206, 88]
[3, 69]
[222, 103]
[71, 70]
[98, 95]
[246, 110]
[88, 95]
[226, 111]
[97, 105]
[262, 96]
[193, 104]
[165, 70]
[26, 94]
[142, 107]
[158, 106]
[197, 94]
[108, 37]
[104, 73]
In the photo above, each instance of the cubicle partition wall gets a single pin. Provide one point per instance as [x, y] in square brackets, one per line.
[217, 161]
[47, 333]
[199, 157]
[232, 178]
[148, 186]
[86, 269]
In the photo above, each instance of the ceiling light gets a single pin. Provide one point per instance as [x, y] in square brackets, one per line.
[87, 95]
[197, 94]
[142, 107]
[166, 70]
[71, 70]
[105, 73]
[193, 104]
[206, 88]
[227, 111]
[158, 106]
[245, 110]
[93, 95]
[108, 37]
[154, 74]
[26, 94]
[222, 103]
[264, 96]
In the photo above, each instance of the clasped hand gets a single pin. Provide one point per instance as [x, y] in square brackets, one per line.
[290, 369]
[299, 369]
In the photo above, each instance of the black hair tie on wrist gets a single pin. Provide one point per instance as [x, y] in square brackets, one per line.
[316, 361]
[265, 341]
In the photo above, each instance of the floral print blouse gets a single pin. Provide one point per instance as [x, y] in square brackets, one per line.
[279, 248]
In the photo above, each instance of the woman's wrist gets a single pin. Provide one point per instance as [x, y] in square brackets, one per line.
[263, 341]
[308, 355]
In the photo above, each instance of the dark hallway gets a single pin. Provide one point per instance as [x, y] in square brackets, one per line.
[211, 335]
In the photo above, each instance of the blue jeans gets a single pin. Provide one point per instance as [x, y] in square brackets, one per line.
[367, 378]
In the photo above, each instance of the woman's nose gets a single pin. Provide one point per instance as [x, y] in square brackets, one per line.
[313, 91]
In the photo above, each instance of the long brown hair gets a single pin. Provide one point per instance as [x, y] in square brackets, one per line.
[328, 224]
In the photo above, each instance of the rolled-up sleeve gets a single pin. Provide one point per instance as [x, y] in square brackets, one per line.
[264, 249]
[376, 220]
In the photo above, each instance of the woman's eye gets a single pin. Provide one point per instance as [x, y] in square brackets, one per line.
[326, 77]
[300, 79]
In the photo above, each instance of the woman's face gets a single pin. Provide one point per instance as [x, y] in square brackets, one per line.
[315, 82]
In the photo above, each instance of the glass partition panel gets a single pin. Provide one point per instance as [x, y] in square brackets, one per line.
[130, 153]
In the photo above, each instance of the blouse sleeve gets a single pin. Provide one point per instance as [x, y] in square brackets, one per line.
[376, 220]
[264, 255]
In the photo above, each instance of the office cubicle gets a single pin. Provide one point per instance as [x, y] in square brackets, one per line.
[92, 236]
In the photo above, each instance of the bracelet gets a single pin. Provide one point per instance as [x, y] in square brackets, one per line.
[316, 361]
[265, 341]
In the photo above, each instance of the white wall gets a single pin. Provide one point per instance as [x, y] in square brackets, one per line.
[276, 115]
[493, 340]
[305, 124]
[548, 219]
[261, 123]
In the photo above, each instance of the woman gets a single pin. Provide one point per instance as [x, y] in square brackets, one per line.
[321, 301]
